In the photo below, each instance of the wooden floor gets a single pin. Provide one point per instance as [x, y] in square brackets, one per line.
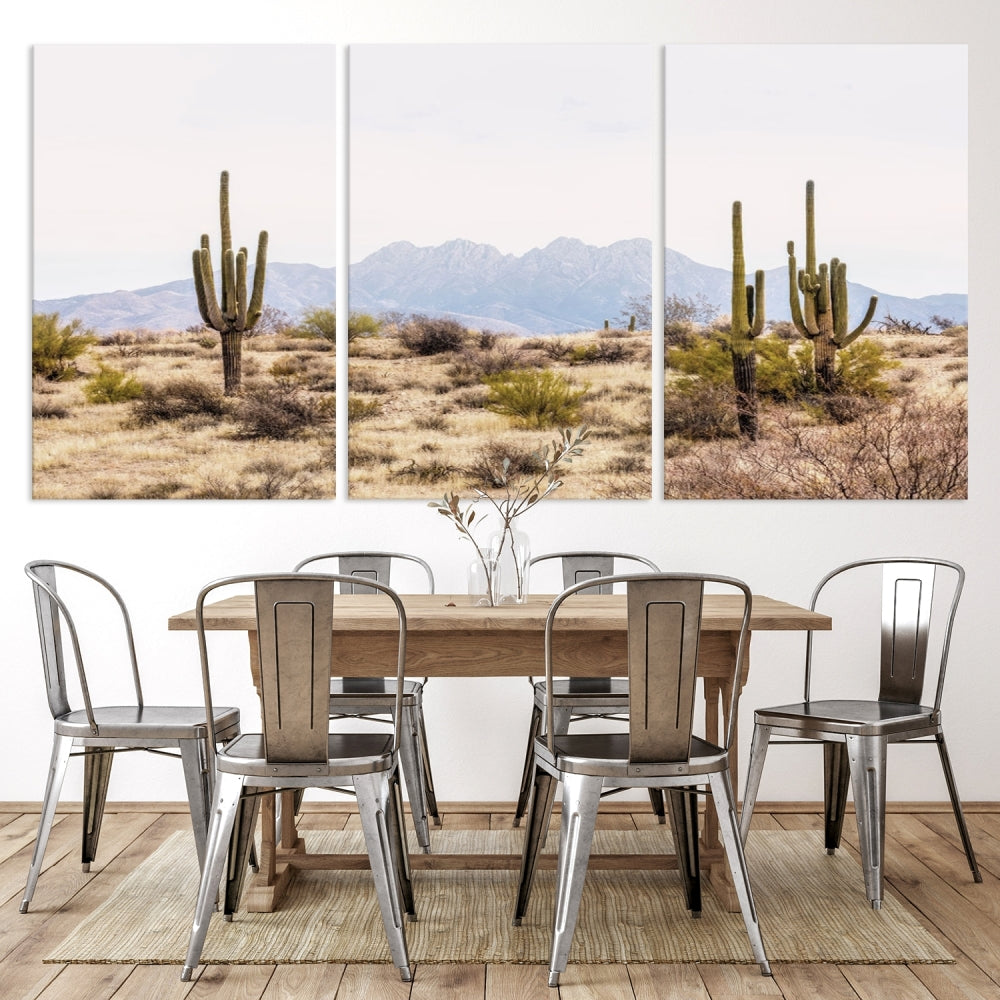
[924, 864]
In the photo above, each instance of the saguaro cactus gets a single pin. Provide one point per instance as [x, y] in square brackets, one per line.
[822, 315]
[235, 315]
[747, 323]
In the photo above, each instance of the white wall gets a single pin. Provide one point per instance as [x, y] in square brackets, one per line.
[160, 553]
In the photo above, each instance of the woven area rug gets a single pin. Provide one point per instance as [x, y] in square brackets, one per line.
[811, 908]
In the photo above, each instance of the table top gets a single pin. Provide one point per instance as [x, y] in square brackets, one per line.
[453, 612]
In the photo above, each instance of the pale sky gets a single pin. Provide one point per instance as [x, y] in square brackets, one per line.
[129, 142]
[513, 145]
[881, 129]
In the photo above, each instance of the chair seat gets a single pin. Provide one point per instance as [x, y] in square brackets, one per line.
[149, 723]
[372, 690]
[846, 717]
[348, 753]
[606, 754]
[583, 692]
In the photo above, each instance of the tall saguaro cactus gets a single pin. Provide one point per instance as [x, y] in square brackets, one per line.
[822, 315]
[235, 315]
[747, 323]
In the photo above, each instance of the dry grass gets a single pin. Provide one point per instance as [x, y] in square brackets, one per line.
[428, 427]
[102, 452]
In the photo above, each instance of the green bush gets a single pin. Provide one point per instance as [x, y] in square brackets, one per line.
[699, 410]
[860, 367]
[55, 348]
[277, 411]
[535, 399]
[112, 385]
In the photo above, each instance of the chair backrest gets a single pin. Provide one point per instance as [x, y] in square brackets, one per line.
[580, 566]
[664, 627]
[294, 613]
[53, 614]
[367, 566]
[909, 587]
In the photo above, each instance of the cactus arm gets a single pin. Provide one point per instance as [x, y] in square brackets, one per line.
[256, 306]
[868, 317]
[841, 337]
[756, 310]
[796, 280]
[227, 234]
[205, 288]
[810, 227]
[240, 320]
[199, 287]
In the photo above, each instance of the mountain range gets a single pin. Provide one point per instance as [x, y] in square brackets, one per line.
[565, 286]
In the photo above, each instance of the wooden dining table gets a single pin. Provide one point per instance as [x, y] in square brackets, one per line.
[448, 636]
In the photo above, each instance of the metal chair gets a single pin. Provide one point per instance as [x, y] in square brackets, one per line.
[297, 750]
[577, 698]
[374, 698]
[855, 733]
[102, 731]
[658, 751]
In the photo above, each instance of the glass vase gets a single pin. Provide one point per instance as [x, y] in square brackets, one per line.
[479, 576]
[510, 553]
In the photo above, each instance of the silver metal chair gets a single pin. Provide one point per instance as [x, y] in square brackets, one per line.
[297, 750]
[658, 751]
[374, 698]
[855, 734]
[104, 730]
[577, 698]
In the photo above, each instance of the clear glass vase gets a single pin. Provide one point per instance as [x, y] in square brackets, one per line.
[510, 553]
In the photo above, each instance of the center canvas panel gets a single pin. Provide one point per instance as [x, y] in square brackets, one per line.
[501, 223]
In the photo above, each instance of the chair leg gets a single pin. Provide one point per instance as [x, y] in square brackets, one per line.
[409, 760]
[373, 793]
[836, 776]
[725, 808]
[527, 775]
[867, 757]
[656, 801]
[581, 798]
[430, 795]
[228, 791]
[539, 814]
[396, 825]
[199, 791]
[61, 746]
[956, 805]
[240, 848]
[758, 752]
[684, 826]
[97, 763]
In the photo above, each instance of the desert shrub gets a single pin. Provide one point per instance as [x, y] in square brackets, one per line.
[112, 385]
[959, 337]
[487, 468]
[432, 471]
[699, 410]
[43, 408]
[427, 335]
[362, 409]
[367, 380]
[319, 322]
[55, 347]
[706, 357]
[471, 363]
[266, 479]
[860, 367]
[179, 398]
[275, 410]
[432, 422]
[535, 399]
[469, 398]
[603, 352]
[922, 347]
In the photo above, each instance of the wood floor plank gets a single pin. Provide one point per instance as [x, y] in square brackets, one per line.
[655, 982]
[156, 982]
[962, 981]
[372, 982]
[885, 982]
[517, 982]
[232, 982]
[63, 838]
[462, 982]
[302, 982]
[811, 980]
[595, 982]
[86, 982]
[725, 981]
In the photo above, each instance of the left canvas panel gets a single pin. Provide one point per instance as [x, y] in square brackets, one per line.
[160, 370]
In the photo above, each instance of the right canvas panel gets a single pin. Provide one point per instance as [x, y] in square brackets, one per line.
[815, 296]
